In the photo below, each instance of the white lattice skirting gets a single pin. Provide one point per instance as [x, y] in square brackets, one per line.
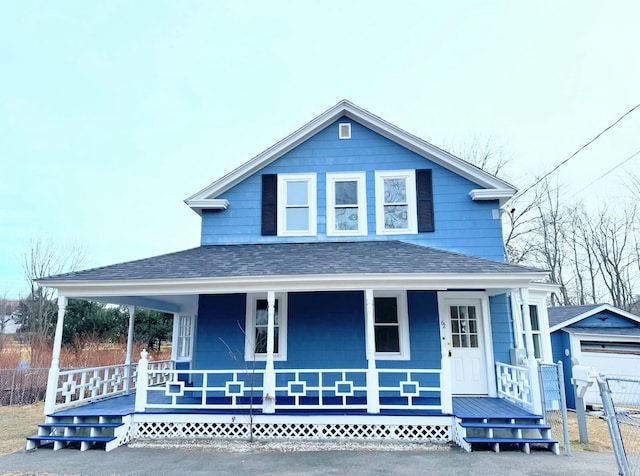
[330, 427]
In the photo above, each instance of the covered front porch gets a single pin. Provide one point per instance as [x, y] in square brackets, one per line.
[339, 341]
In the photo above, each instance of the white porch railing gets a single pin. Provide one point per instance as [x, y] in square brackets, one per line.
[78, 386]
[295, 389]
[198, 389]
[514, 384]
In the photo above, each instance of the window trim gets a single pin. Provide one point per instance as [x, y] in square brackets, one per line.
[250, 328]
[403, 326]
[346, 129]
[539, 301]
[312, 200]
[412, 219]
[361, 179]
[178, 336]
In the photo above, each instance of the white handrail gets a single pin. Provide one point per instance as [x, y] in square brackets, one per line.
[78, 386]
[514, 384]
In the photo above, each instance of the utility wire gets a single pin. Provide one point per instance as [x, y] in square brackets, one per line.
[575, 153]
[609, 171]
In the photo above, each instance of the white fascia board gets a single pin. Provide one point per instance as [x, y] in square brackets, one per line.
[596, 310]
[292, 283]
[208, 204]
[375, 123]
[501, 194]
[582, 336]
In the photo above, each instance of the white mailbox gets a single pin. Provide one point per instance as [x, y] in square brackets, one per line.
[583, 378]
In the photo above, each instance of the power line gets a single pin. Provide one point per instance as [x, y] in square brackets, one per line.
[575, 153]
[609, 171]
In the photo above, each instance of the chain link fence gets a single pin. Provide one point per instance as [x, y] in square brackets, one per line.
[554, 403]
[621, 402]
[22, 386]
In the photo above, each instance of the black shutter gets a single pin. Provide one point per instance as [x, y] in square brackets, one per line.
[425, 200]
[269, 204]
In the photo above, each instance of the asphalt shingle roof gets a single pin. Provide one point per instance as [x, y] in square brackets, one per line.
[281, 259]
[560, 314]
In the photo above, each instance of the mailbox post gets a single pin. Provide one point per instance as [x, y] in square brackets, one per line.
[583, 378]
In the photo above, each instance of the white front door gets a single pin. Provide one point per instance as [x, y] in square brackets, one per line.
[465, 346]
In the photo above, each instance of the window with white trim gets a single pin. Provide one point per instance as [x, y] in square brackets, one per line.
[391, 326]
[535, 330]
[396, 202]
[184, 337]
[346, 204]
[256, 327]
[297, 207]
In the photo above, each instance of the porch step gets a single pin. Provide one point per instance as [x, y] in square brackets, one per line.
[62, 441]
[87, 431]
[524, 443]
[523, 426]
[520, 431]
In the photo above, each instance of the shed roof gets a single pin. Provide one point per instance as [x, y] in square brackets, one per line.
[563, 316]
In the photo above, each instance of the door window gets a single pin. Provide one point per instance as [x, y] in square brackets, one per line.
[464, 327]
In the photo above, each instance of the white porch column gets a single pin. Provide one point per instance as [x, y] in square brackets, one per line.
[373, 391]
[532, 363]
[142, 382]
[269, 384]
[174, 337]
[52, 381]
[127, 361]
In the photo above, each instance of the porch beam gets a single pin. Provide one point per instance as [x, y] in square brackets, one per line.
[532, 363]
[52, 381]
[373, 390]
[269, 384]
[127, 361]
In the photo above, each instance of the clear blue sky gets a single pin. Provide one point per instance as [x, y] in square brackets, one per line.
[113, 112]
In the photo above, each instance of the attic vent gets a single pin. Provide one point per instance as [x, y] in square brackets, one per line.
[345, 130]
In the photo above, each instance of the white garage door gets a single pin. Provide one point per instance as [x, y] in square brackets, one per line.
[610, 364]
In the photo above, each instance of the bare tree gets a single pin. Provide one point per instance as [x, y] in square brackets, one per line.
[613, 243]
[484, 153]
[38, 309]
[520, 224]
[551, 252]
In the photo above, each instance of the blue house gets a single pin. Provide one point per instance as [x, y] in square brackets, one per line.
[351, 283]
[597, 335]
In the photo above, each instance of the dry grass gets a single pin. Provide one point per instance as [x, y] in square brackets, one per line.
[18, 422]
[597, 431]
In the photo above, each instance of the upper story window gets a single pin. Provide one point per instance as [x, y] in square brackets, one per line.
[396, 202]
[346, 204]
[296, 204]
[257, 321]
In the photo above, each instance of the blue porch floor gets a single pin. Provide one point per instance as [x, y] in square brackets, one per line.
[463, 407]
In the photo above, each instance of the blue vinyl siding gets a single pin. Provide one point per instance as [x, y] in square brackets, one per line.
[501, 328]
[560, 341]
[460, 223]
[605, 319]
[219, 343]
[325, 330]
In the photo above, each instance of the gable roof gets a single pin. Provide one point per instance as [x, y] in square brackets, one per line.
[563, 316]
[493, 188]
[294, 259]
